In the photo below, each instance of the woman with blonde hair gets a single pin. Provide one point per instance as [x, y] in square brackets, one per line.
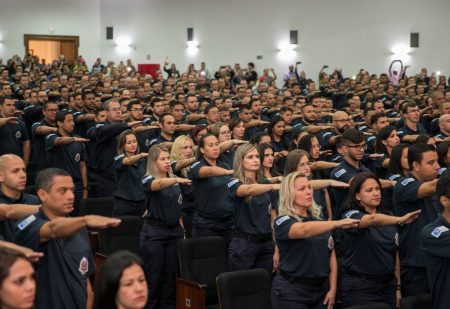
[163, 227]
[129, 168]
[307, 271]
[255, 208]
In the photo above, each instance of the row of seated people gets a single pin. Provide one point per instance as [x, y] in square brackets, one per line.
[199, 169]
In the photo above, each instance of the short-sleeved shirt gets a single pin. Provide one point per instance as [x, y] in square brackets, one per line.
[212, 198]
[405, 200]
[371, 250]
[253, 217]
[436, 250]
[39, 146]
[303, 258]
[65, 268]
[7, 226]
[405, 130]
[127, 179]
[66, 156]
[12, 137]
[163, 205]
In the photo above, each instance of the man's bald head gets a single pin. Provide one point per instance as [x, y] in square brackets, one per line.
[339, 115]
[7, 159]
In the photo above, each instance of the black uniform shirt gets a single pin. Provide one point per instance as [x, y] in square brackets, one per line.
[436, 250]
[405, 200]
[11, 138]
[253, 218]
[128, 178]
[7, 226]
[212, 197]
[39, 147]
[65, 268]
[65, 156]
[371, 250]
[163, 205]
[303, 258]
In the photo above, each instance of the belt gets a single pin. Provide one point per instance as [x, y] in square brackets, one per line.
[250, 237]
[160, 224]
[382, 279]
[316, 282]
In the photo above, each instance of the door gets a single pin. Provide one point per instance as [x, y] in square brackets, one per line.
[50, 47]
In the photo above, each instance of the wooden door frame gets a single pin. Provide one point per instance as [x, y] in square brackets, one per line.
[45, 37]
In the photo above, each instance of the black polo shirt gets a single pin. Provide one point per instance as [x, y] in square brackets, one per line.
[436, 251]
[39, 146]
[405, 130]
[127, 177]
[306, 257]
[66, 156]
[64, 269]
[12, 137]
[405, 200]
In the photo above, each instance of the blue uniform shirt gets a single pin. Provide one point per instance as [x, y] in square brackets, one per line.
[405, 200]
[128, 178]
[436, 250]
[65, 268]
[303, 258]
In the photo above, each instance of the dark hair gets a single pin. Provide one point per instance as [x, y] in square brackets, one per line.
[305, 142]
[45, 105]
[108, 281]
[163, 117]
[234, 122]
[395, 163]
[44, 179]
[201, 144]
[244, 106]
[383, 135]
[443, 185]
[352, 135]
[61, 115]
[273, 122]
[174, 103]
[416, 151]
[209, 107]
[7, 258]
[261, 149]
[355, 187]
[423, 138]
[406, 105]
[292, 160]
[133, 102]
[256, 138]
[374, 118]
[442, 150]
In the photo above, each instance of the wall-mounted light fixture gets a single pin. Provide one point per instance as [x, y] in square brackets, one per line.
[123, 44]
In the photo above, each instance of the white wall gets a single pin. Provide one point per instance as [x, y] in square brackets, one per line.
[349, 34]
[63, 17]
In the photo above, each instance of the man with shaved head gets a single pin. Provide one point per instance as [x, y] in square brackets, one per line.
[13, 179]
[444, 126]
[341, 122]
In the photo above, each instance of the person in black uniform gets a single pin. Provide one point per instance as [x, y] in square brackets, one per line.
[129, 168]
[66, 151]
[13, 179]
[436, 248]
[307, 272]
[67, 263]
[212, 216]
[413, 193]
[40, 130]
[371, 269]
[13, 133]
[255, 209]
[162, 229]
[106, 146]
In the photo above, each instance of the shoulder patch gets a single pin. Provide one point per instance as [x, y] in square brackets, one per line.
[25, 222]
[119, 156]
[50, 135]
[439, 230]
[326, 134]
[98, 125]
[195, 164]
[232, 182]
[330, 243]
[400, 132]
[147, 178]
[371, 138]
[340, 173]
[407, 181]
[153, 141]
[281, 220]
[442, 170]
[350, 213]
[394, 177]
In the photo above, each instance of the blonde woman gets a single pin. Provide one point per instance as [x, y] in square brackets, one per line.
[181, 156]
[255, 208]
[163, 227]
[307, 270]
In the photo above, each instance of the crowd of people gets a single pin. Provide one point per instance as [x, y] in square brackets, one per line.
[304, 178]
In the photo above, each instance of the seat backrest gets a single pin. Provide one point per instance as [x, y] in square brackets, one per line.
[244, 289]
[123, 237]
[416, 301]
[201, 260]
[371, 306]
[102, 206]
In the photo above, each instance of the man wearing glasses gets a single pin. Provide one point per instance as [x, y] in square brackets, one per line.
[412, 128]
[38, 132]
[341, 123]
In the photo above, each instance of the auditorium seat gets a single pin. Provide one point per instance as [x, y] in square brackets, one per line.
[123, 237]
[102, 206]
[416, 302]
